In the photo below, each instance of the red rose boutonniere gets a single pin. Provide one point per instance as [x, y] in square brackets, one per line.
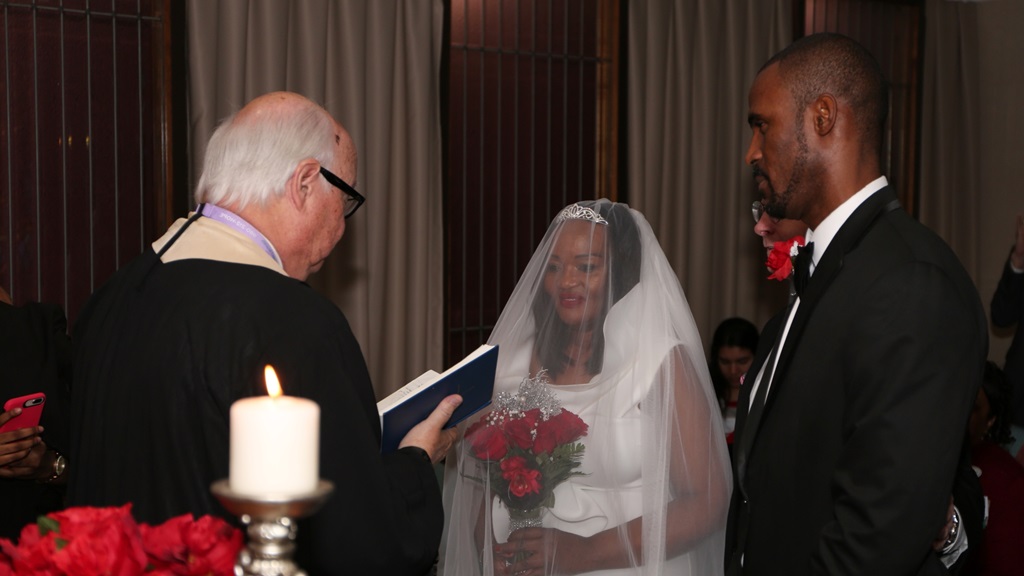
[780, 259]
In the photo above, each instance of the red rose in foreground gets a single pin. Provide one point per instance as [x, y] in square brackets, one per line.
[208, 545]
[106, 549]
[213, 546]
[488, 442]
[522, 480]
[84, 520]
[164, 543]
[98, 541]
[107, 542]
[34, 554]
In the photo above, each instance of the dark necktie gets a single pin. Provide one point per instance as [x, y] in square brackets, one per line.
[802, 267]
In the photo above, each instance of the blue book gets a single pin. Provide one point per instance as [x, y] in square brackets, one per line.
[472, 378]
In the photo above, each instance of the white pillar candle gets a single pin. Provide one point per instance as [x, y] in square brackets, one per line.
[275, 444]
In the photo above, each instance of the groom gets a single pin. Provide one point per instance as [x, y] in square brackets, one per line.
[849, 431]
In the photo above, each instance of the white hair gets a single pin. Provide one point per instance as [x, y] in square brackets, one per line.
[250, 159]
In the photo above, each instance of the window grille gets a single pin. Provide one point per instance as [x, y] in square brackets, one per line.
[82, 142]
[531, 104]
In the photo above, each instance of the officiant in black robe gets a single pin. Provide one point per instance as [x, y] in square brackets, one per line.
[175, 337]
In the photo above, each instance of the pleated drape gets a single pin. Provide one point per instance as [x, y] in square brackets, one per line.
[691, 65]
[950, 195]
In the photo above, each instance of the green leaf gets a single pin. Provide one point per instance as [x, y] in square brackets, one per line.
[47, 525]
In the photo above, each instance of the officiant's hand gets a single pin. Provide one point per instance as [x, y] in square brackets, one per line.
[17, 444]
[430, 435]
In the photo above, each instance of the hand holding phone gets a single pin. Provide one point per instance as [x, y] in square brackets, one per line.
[19, 444]
[31, 410]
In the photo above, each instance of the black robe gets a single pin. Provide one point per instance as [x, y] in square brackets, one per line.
[163, 350]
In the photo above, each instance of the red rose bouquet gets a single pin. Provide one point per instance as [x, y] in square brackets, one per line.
[529, 445]
[91, 541]
[780, 259]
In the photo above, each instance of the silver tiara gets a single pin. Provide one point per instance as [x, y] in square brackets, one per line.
[577, 212]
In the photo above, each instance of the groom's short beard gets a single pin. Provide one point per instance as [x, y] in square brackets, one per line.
[778, 204]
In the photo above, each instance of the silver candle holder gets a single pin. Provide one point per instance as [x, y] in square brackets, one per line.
[270, 527]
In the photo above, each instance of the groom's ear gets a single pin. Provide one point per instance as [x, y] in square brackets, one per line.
[824, 112]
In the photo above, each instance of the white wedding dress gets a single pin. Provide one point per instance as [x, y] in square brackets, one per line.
[654, 449]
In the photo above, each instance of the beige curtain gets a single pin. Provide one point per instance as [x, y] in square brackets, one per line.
[691, 64]
[950, 194]
[374, 65]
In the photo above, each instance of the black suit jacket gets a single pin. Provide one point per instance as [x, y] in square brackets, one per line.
[851, 468]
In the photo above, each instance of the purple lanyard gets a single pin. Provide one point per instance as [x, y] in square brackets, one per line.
[235, 221]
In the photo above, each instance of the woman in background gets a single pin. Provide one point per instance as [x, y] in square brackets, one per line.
[1000, 552]
[732, 351]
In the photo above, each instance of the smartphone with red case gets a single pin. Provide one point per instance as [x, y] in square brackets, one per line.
[31, 409]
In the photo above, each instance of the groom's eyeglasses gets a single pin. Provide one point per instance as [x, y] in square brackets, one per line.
[353, 199]
[758, 210]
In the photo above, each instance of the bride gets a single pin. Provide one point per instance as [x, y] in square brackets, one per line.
[601, 315]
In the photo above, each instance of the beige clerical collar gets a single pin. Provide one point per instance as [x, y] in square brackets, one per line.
[207, 239]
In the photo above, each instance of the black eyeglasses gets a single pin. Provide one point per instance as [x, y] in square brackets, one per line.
[758, 210]
[353, 199]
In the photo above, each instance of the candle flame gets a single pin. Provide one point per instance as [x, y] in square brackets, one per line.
[273, 385]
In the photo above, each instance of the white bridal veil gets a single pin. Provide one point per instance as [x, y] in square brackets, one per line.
[651, 490]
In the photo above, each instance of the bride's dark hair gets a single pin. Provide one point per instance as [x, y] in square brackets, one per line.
[624, 252]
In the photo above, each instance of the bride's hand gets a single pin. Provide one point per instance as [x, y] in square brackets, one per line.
[540, 552]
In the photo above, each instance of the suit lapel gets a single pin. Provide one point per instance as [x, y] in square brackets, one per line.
[828, 267]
